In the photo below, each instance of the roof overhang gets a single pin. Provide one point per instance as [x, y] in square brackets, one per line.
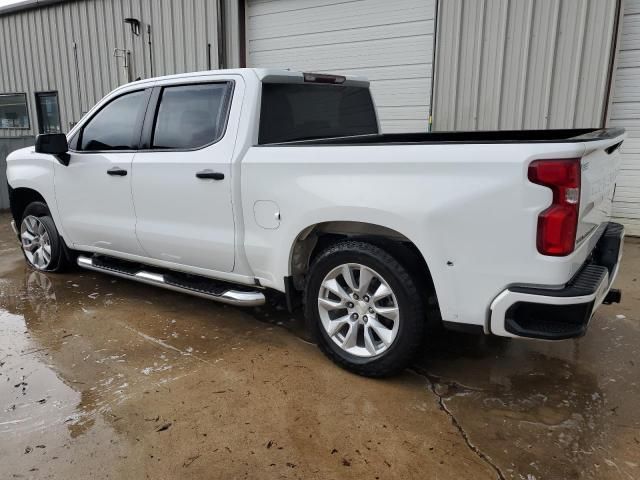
[28, 5]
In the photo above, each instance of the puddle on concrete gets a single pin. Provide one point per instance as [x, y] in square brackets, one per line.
[102, 375]
[547, 410]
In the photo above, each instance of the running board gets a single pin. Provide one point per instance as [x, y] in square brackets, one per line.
[191, 284]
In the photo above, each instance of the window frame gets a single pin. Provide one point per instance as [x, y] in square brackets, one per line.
[153, 109]
[75, 142]
[36, 96]
[26, 102]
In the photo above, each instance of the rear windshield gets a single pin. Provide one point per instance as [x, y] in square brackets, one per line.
[305, 111]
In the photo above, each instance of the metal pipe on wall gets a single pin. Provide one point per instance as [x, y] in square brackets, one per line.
[222, 57]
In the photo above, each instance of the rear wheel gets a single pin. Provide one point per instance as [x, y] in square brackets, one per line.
[42, 246]
[364, 309]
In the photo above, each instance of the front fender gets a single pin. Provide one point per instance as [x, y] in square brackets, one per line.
[34, 171]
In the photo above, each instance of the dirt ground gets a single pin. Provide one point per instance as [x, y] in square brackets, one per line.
[103, 378]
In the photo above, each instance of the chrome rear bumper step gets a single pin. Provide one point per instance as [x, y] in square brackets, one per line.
[200, 287]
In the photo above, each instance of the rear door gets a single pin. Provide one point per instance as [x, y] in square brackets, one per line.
[182, 177]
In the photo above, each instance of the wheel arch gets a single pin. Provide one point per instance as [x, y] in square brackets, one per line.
[315, 238]
[20, 198]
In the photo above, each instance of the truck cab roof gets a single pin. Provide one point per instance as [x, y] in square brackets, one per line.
[269, 75]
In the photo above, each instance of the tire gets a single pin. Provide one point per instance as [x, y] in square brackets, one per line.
[372, 355]
[36, 222]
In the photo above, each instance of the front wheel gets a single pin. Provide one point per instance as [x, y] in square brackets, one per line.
[364, 309]
[42, 246]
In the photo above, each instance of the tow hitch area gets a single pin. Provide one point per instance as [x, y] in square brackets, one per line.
[614, 296]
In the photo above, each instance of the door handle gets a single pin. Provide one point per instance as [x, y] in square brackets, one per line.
[210, 174]
[117, 171]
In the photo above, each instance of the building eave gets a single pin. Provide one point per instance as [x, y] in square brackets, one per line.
[28, 5]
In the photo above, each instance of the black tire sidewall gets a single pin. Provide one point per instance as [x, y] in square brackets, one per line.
[40, 210]
[411, 325]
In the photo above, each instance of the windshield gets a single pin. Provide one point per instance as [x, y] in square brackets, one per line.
[305, 111]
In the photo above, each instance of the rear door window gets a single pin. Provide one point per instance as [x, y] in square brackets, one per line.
[305, 111]
[191, 116]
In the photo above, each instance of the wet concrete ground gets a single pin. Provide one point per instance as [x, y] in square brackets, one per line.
[103, 378]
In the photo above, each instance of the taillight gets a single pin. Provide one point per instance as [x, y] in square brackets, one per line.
[557, 225]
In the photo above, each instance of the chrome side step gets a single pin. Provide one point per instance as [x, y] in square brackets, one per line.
[221, 293]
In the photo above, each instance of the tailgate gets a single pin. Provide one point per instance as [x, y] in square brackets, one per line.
[600, 166]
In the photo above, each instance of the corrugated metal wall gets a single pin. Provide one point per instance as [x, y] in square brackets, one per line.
[8, 145]
[69, 47]
[522, 64]
[624, 112]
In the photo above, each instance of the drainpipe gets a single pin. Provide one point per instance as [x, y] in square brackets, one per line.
[222, 50]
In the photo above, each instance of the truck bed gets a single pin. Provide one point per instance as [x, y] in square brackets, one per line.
[476, 137]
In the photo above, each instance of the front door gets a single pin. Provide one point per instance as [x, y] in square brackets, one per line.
[93, 192]
[182, 181]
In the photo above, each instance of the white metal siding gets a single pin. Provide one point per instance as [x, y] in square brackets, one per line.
[625, 112]
[391, 43]
[522, 64]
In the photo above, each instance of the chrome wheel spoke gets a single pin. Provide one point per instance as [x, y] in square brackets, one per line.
[387, 312]
[351, 337]
[336, 325]
[46, 253]
[32, 226]
[381, 292]
[334, 287]
[366, 275]
[385, 334]
[330, 305]
[347, 274]
[36, 257]
[28, 241]
[368, 341]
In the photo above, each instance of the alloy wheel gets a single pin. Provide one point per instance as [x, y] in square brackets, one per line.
[358, 310]
[36, 243]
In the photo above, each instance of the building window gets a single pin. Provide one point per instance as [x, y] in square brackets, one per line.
[13, 110]
[48, 112]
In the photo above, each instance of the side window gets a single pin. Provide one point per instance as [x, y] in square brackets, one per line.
[13, 110]
[117, 125]
[191, 116]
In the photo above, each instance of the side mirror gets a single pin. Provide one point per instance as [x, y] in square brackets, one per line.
[54, 144]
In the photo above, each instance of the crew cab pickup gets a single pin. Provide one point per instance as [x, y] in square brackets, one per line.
[233, 184]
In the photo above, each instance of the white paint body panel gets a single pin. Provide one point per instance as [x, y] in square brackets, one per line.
[470, 205]
[96, 209]
[468, 208]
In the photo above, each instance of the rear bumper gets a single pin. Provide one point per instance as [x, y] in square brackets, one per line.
[559, 313]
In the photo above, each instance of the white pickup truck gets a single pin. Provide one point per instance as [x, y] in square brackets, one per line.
[232, 184]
